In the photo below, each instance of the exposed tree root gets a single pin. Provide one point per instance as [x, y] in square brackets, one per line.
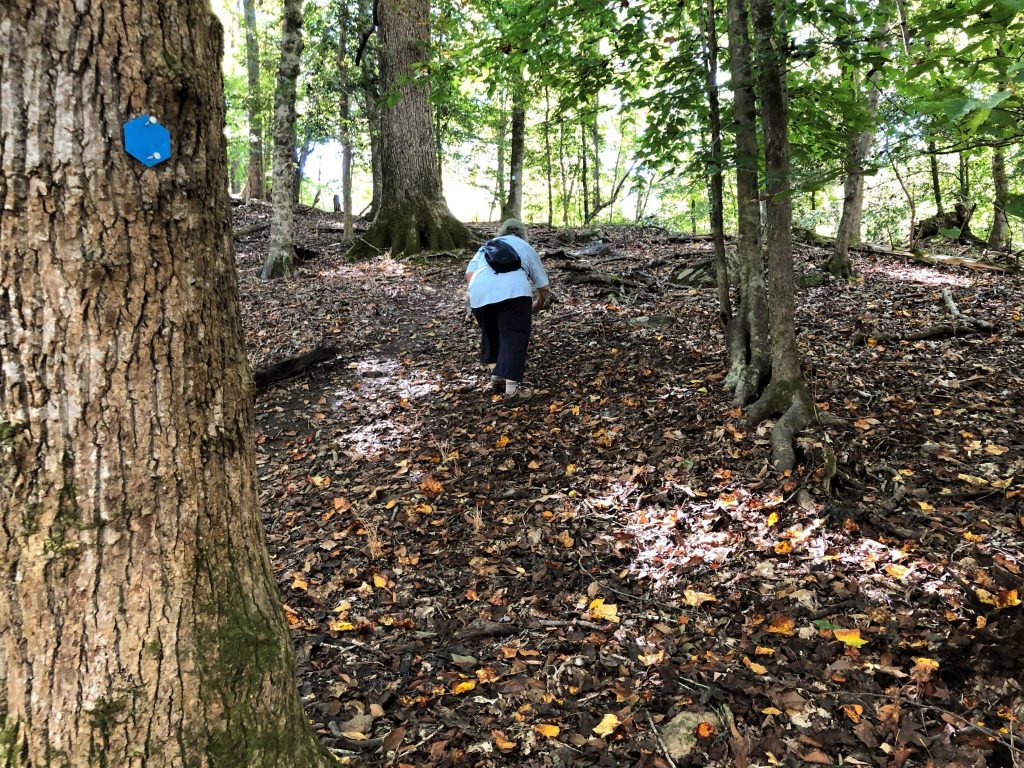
[293, 366]
[410, 229]
[792, 403]
[962, 325]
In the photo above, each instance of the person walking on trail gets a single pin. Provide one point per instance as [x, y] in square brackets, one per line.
[500, 276]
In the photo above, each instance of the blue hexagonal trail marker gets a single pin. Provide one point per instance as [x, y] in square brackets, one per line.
[147, 141]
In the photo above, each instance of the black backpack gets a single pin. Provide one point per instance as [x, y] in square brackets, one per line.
[501, 257]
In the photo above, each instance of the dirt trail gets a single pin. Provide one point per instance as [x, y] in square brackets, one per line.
[553, 584]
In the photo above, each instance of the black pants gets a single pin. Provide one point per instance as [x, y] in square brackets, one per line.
[505, 334]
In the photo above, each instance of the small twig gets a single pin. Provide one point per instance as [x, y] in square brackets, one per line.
[657, 735]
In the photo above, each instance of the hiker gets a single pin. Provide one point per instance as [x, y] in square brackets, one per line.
[500, 296]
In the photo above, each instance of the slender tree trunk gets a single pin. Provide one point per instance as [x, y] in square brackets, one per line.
[910, 202]
[345, 117]
[566, 194]
[303, 152]
[715, 187]
[933, 161]
[964, 177]
[999, 235]
[413, 215]
[281, 257]
[502, 148]
[595, 140]
[255, 187]
[140, 621]
[786, 396]
[513, 206]
[584, 177]
[748, 339]
[858, 149]
[547, 156]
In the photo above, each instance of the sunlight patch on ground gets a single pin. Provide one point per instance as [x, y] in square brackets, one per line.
[921, 275]
[381, 387]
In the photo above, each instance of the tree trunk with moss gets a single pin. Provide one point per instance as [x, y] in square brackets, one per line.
[785, 396]
[413, 215]
[513, 205]
[281, 257]
[999, 235]
[255, 186]
[139, 620]
[749, 355]
[858, 149]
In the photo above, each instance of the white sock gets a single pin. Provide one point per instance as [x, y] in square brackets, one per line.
[511, 387]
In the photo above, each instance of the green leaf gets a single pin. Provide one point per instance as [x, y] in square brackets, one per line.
[957, 108]
[952, 234]
[1015, 206]
[825, 624]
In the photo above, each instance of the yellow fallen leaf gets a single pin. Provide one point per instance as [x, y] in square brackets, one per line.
[379, 581]
[599, 609]
[995, 450]
[487, 674]
[783, 548]
[566, 539]
[771, 711]
[340, 625]
[853, 711]
[501, 742]
[463, 686]
[925, 506]
[896, 570]
[753, 666]
[651, 659]
[1004, 598]
[547, 729]
[570, 469]
[923, 669]
[972, 479]
[850, 637]
[607, 725]
[762, 651]
[782, 625]
[697, 598]
[773, 518]
[355, 735]
[300, 583]
[503, 441]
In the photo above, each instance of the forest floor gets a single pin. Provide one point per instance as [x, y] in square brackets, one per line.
[611, 573]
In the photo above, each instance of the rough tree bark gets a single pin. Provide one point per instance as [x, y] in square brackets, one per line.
[281, 257]
[255, 186]
[858, 148]
[750, 359]
[999, 235]
[547, 157]
[512, 208]
[413, 215]
[500, 142]
[715, 187]
[139, 620]
[786, 395]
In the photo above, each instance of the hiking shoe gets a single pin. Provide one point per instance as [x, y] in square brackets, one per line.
[497, 385]
[520, 394]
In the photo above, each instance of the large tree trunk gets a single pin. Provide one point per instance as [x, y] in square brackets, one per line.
[281, 257]
[750, 361]
[255, 186]
[413, 215]
[999, 235]
[139, 621]
[858, 148]
[513, 205]
[786, 395]
[715, 187]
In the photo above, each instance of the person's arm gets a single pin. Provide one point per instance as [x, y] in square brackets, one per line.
[542, 299]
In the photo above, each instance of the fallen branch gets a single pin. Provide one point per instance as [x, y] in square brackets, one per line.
[293, 366]
[241, 232]
[962, 325]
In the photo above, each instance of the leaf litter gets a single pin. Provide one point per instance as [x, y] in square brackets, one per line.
[560, 582]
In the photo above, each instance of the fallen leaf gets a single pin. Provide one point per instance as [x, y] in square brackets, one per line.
[782, 625]
[463, 686]
[753, 666]
[697, 598]
[548, 730]
[607, 725]
[1004, 598]
[853, 711]
[705, 730]
[850, 637]
[923, 669]
[600, 610]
